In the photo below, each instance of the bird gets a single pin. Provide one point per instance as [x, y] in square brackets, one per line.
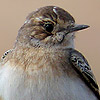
[44, 64]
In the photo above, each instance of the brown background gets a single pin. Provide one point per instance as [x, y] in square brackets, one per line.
[13, 13]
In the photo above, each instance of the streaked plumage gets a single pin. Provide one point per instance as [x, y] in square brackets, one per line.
[43, 65]
[82, 67]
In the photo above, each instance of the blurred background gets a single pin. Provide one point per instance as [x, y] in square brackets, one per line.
[14, 12]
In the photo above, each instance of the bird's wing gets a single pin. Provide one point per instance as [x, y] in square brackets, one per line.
[6, 53]
[3, 58]
[83, 69]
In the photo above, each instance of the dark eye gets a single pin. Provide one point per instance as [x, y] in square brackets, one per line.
[49, 27]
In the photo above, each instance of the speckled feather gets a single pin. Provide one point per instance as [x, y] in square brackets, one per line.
[82, 67]
[43, 64]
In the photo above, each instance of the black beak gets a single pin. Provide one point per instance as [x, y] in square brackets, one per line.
[77, 28]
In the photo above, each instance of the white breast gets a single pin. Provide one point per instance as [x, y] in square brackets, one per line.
[15, 84]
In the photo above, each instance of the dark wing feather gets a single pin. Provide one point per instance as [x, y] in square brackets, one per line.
[82, 67]
[6, 53]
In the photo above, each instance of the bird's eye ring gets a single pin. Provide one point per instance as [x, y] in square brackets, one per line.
[49, 27]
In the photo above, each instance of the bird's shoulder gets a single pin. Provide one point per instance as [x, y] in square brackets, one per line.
[5, 57]
[80, 64]
[6, 53]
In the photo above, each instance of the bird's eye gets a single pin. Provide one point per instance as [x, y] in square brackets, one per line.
[49, 27]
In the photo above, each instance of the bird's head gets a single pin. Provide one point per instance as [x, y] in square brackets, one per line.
[48, 26]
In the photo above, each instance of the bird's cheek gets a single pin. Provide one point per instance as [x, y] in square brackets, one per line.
[38, 35]
[60, 37]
